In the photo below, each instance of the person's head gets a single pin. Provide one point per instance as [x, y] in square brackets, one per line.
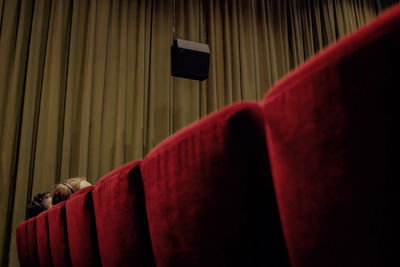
[40, 203]
[63, 190]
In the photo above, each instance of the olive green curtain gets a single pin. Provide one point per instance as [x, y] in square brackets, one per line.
[85, 86]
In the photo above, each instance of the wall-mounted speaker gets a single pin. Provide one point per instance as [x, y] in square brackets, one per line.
[190, 60]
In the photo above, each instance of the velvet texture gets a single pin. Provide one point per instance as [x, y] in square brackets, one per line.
[116, 172]
[121, 221]
[58, 236]
[209, 194]
[81, 228]
[330, 138]
[22, 244]
[42, 239]
[32, 247]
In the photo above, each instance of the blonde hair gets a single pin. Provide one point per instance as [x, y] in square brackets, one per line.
[62, 190]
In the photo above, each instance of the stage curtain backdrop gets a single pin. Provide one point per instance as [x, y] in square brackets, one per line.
[85, 86]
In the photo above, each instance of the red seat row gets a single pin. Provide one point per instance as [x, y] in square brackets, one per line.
[303, 178]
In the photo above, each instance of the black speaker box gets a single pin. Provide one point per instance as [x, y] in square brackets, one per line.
[190, 60]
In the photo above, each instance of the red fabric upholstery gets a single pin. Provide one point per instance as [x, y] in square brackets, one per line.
[42, 239]
[82, 235]
[121, 221]
[209, 196]
[22, 244]
[115, 173]
[32, 246]
[58, 235]
[329, 128]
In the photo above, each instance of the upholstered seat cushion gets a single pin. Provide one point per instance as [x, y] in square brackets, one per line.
[23, 244]
[121, 221]
[209, 194]
[81, 228]
[42, 237]
[32, 246]
[58, 235]
[330, 137]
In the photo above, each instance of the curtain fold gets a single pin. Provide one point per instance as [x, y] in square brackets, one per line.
[14, 45]
[86, 86]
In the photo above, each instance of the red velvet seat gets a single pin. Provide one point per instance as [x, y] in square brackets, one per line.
[23, 244]
[209, 194]
[115, 173]
[81, 228]
[58, 235]
[32, 246]
[330, 136]
[122, 230]
[42, 239]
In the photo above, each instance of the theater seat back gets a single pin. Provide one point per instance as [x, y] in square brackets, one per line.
[81, 227]
[58, 236]
[32, 245]
[121, 220]
[22, 244]
[43, 242]
[209, 194]
[330, 135]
